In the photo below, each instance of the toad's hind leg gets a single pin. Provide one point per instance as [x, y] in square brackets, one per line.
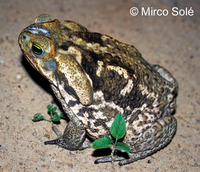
[152, 140]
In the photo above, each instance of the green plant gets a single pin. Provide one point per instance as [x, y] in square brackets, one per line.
[117, 130]
[54, 117]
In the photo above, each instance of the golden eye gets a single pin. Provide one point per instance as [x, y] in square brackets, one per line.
[37, 50]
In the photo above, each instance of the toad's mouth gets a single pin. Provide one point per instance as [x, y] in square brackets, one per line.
[27, 58]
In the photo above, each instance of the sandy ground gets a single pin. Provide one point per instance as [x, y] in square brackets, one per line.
[173, 42]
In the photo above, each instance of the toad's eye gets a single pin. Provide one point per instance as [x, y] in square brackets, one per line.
[37, 50]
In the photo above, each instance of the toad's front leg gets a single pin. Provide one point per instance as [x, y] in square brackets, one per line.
[74, 136]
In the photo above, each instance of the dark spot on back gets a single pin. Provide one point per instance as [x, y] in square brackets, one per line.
[134, 116]
[88, 111]
[72, 103]
[92, 37]
[94, 130]
[70, 91]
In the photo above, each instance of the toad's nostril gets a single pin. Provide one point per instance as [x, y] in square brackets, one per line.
[24, 37]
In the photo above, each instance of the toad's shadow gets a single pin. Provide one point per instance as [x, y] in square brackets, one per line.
[36, 76]
[101, 153]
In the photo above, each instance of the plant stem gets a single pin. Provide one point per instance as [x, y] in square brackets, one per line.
[112, 154]
[113, 150]
[47, 120]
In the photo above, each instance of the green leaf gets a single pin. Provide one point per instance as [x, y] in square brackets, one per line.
[55, 117]
[62, 116]
[49, 107]
[54, 109]
[118, 127]
[38, 117]
[123, 147]
[105, 142]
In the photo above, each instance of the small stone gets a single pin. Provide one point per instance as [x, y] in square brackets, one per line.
[34, 133]
[197, 121]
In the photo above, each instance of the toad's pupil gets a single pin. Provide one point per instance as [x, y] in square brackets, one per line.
[36, 49]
